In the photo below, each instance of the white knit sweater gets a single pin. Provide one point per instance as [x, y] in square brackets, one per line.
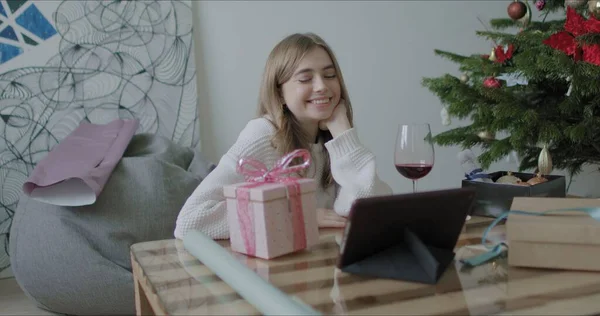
[352, 167]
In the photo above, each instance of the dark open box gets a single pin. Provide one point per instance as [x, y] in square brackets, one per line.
[492, 199]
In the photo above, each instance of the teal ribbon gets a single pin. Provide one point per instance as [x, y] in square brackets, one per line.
[498, 249]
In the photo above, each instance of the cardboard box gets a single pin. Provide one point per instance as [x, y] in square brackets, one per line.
[271, 223]
[565, 240]
[493, 199]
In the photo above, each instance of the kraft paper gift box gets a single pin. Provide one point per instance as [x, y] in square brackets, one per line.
[563, 240]
[272, 220]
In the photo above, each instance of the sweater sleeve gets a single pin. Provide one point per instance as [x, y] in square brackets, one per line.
[354, 171]
[206, 209]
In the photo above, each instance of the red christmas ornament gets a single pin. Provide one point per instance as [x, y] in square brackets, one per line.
[516, 10]
[576, 25]
[491, 82]
[501, 55]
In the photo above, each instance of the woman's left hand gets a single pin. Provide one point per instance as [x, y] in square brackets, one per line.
[327, 218]
[338, 122]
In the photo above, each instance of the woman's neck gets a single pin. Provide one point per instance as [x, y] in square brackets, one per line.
[312, 131]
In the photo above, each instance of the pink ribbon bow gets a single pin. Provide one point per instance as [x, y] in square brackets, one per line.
[256, 172]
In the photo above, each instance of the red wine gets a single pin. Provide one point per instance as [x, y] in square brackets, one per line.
[414, 170]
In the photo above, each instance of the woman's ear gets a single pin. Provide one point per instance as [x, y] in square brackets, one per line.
[281, 100]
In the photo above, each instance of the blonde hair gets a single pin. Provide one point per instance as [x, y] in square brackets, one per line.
[283, 60]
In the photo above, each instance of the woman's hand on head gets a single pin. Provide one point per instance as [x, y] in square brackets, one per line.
[338, 122]
[327, 218]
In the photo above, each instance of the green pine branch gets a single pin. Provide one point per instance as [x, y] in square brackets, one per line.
[450, 56]
[557, 5]
[497, 36]
[504, 23]
[590, 39]
[558, 105]
[495, 151]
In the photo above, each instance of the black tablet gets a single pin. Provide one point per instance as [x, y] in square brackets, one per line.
[406, 236]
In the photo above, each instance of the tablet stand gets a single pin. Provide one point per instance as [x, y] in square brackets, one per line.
[409, 260]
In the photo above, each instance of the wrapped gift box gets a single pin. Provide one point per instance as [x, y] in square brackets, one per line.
[563, 240]
[492, 199]
[270, 220]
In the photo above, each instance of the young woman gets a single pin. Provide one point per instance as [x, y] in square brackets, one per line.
[303, 104]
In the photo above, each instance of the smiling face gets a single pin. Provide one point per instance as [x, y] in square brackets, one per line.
[313, 91]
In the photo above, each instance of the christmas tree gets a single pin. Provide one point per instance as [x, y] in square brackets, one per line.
[540, 87]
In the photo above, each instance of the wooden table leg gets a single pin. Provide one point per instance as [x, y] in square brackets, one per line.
[142, 306]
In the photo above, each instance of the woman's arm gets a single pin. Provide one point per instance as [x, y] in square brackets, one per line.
[352, 165]
[354, 170]
[206, 209]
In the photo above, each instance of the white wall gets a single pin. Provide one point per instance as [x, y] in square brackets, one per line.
[384, 49]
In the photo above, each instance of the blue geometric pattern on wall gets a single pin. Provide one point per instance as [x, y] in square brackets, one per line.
[14, 5]
[8, 52]
[26, 29]
[33, 20]
[9, 33]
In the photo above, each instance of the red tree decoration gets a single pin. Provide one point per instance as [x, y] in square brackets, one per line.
[502, 56]
[565, 41]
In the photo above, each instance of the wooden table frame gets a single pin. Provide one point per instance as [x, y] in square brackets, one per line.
[147, 301]
[143, 289]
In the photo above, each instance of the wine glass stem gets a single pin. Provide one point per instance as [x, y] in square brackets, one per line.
[414, 186]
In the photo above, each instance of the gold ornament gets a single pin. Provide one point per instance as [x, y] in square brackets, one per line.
[464, 78]
[509, 179]
[594, 7]
[574, 3]
[486, 135]
[492, 55]
[537, 179]
[545, 161]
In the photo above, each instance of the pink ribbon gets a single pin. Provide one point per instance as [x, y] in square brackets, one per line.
[258, 174]
[255, 171]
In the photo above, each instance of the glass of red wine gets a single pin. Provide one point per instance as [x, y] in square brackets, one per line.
[414, 155]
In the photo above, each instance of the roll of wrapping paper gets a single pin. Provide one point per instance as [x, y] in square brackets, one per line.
[263, 296]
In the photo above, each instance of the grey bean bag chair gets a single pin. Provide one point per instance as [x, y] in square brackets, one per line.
[75, 260]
